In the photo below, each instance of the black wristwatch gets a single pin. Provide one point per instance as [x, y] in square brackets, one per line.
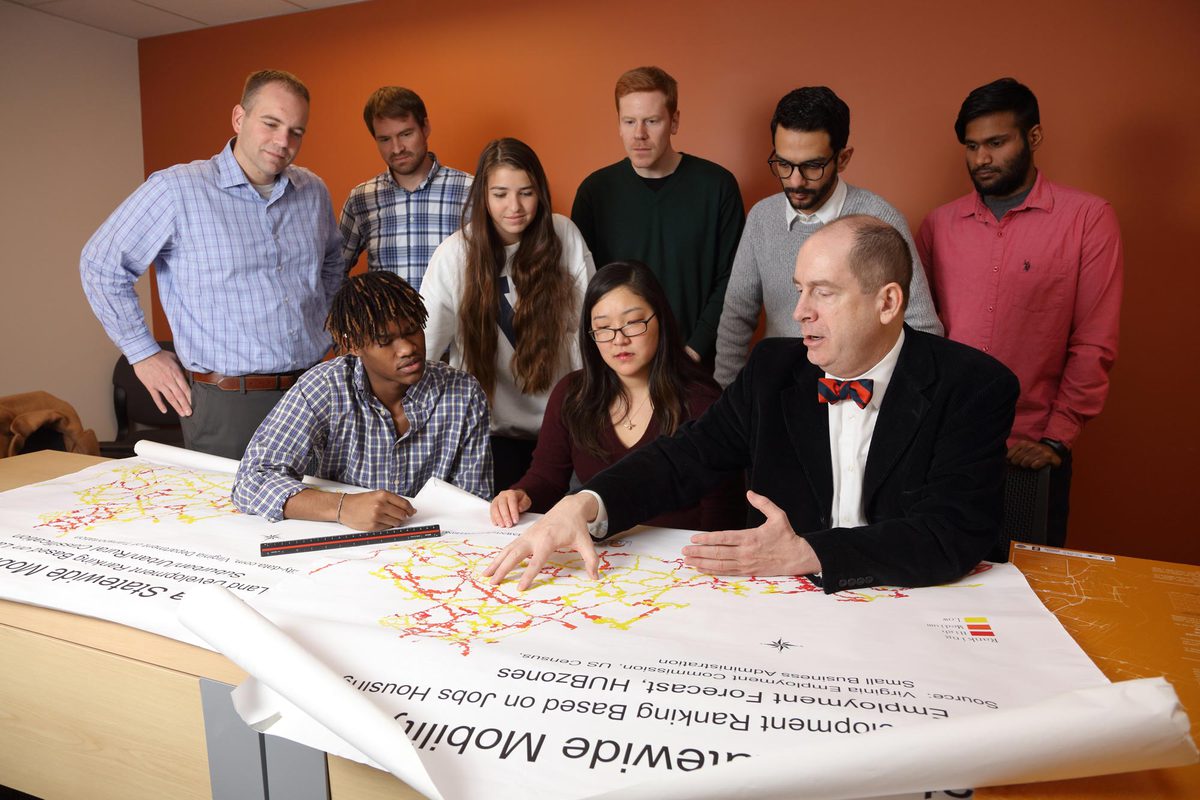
[1058, 447]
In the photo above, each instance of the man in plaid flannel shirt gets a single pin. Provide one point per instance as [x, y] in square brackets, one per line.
[380, 416]
[401, 215]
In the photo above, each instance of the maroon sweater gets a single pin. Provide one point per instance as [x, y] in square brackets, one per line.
[556, 457]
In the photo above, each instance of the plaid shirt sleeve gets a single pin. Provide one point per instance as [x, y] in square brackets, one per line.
[473, 470]
[350, 226]
[334, 266]
[278, 456]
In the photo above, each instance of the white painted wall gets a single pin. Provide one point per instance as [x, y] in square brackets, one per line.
[70, 151]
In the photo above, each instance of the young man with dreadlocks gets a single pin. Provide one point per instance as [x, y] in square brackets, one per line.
[379, 416]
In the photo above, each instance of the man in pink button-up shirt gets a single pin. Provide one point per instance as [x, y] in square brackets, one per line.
[1028, 271]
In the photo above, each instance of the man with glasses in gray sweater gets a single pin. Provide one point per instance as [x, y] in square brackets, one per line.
[810, 130]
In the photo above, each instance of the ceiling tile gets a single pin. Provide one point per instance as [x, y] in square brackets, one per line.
[125, 17]
[139, 19]
[222, 12]
[310, 4]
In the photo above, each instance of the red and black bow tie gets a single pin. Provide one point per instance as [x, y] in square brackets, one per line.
[832, 391]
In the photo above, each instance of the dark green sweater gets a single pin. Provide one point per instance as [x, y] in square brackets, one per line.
[687, 232]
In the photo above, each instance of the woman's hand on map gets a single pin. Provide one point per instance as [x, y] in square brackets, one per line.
[508, 505]
[565, 527]
[374, 511]
[772, 548]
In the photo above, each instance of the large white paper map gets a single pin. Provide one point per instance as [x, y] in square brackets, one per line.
[441, 581]
[573, 686]
[655, 667]
[125, 540]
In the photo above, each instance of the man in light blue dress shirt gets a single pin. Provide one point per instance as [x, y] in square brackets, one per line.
[247, 256]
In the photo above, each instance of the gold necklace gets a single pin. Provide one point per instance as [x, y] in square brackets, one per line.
[627, 421]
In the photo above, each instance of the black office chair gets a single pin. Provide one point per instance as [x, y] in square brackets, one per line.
[137, 416]
[1026, 507]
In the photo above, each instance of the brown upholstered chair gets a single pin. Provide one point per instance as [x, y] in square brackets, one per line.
[40, 421]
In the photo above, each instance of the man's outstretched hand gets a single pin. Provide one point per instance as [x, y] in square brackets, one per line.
[772, 548]
[565, 527]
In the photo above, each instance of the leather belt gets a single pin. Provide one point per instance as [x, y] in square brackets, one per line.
[247, 383]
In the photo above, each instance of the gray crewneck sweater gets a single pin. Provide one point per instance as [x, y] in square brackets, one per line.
[763, 269]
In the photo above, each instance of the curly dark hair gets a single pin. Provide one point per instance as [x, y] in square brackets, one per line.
[368, 305]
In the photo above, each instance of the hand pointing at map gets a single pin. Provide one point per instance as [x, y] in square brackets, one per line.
[563, 528]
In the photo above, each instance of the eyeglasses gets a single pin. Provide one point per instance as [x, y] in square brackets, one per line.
[628, 330]
[810, 170]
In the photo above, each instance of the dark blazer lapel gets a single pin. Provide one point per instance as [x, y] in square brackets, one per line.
[904, 406]
[807, 423]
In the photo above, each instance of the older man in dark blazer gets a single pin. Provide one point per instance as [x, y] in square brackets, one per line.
[875, 453]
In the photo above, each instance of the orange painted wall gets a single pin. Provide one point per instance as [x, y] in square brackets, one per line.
[1117, 83]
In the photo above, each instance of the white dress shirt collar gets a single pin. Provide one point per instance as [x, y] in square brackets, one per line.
[830, 210]
[850, 432]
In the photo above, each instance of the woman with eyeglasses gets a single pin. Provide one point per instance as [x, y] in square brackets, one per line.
[503, 295]
[637, 383]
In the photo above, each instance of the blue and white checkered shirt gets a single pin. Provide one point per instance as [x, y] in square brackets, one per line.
[245, 282]
[400, 229]
[331, 425]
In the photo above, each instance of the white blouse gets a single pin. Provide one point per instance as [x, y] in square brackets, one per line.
[514, 413]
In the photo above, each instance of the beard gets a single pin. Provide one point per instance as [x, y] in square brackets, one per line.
[1008, 177]
[413, 166]
[809, 200]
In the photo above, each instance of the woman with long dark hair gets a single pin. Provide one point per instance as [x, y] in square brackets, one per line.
[637, 383]
[503, 295]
